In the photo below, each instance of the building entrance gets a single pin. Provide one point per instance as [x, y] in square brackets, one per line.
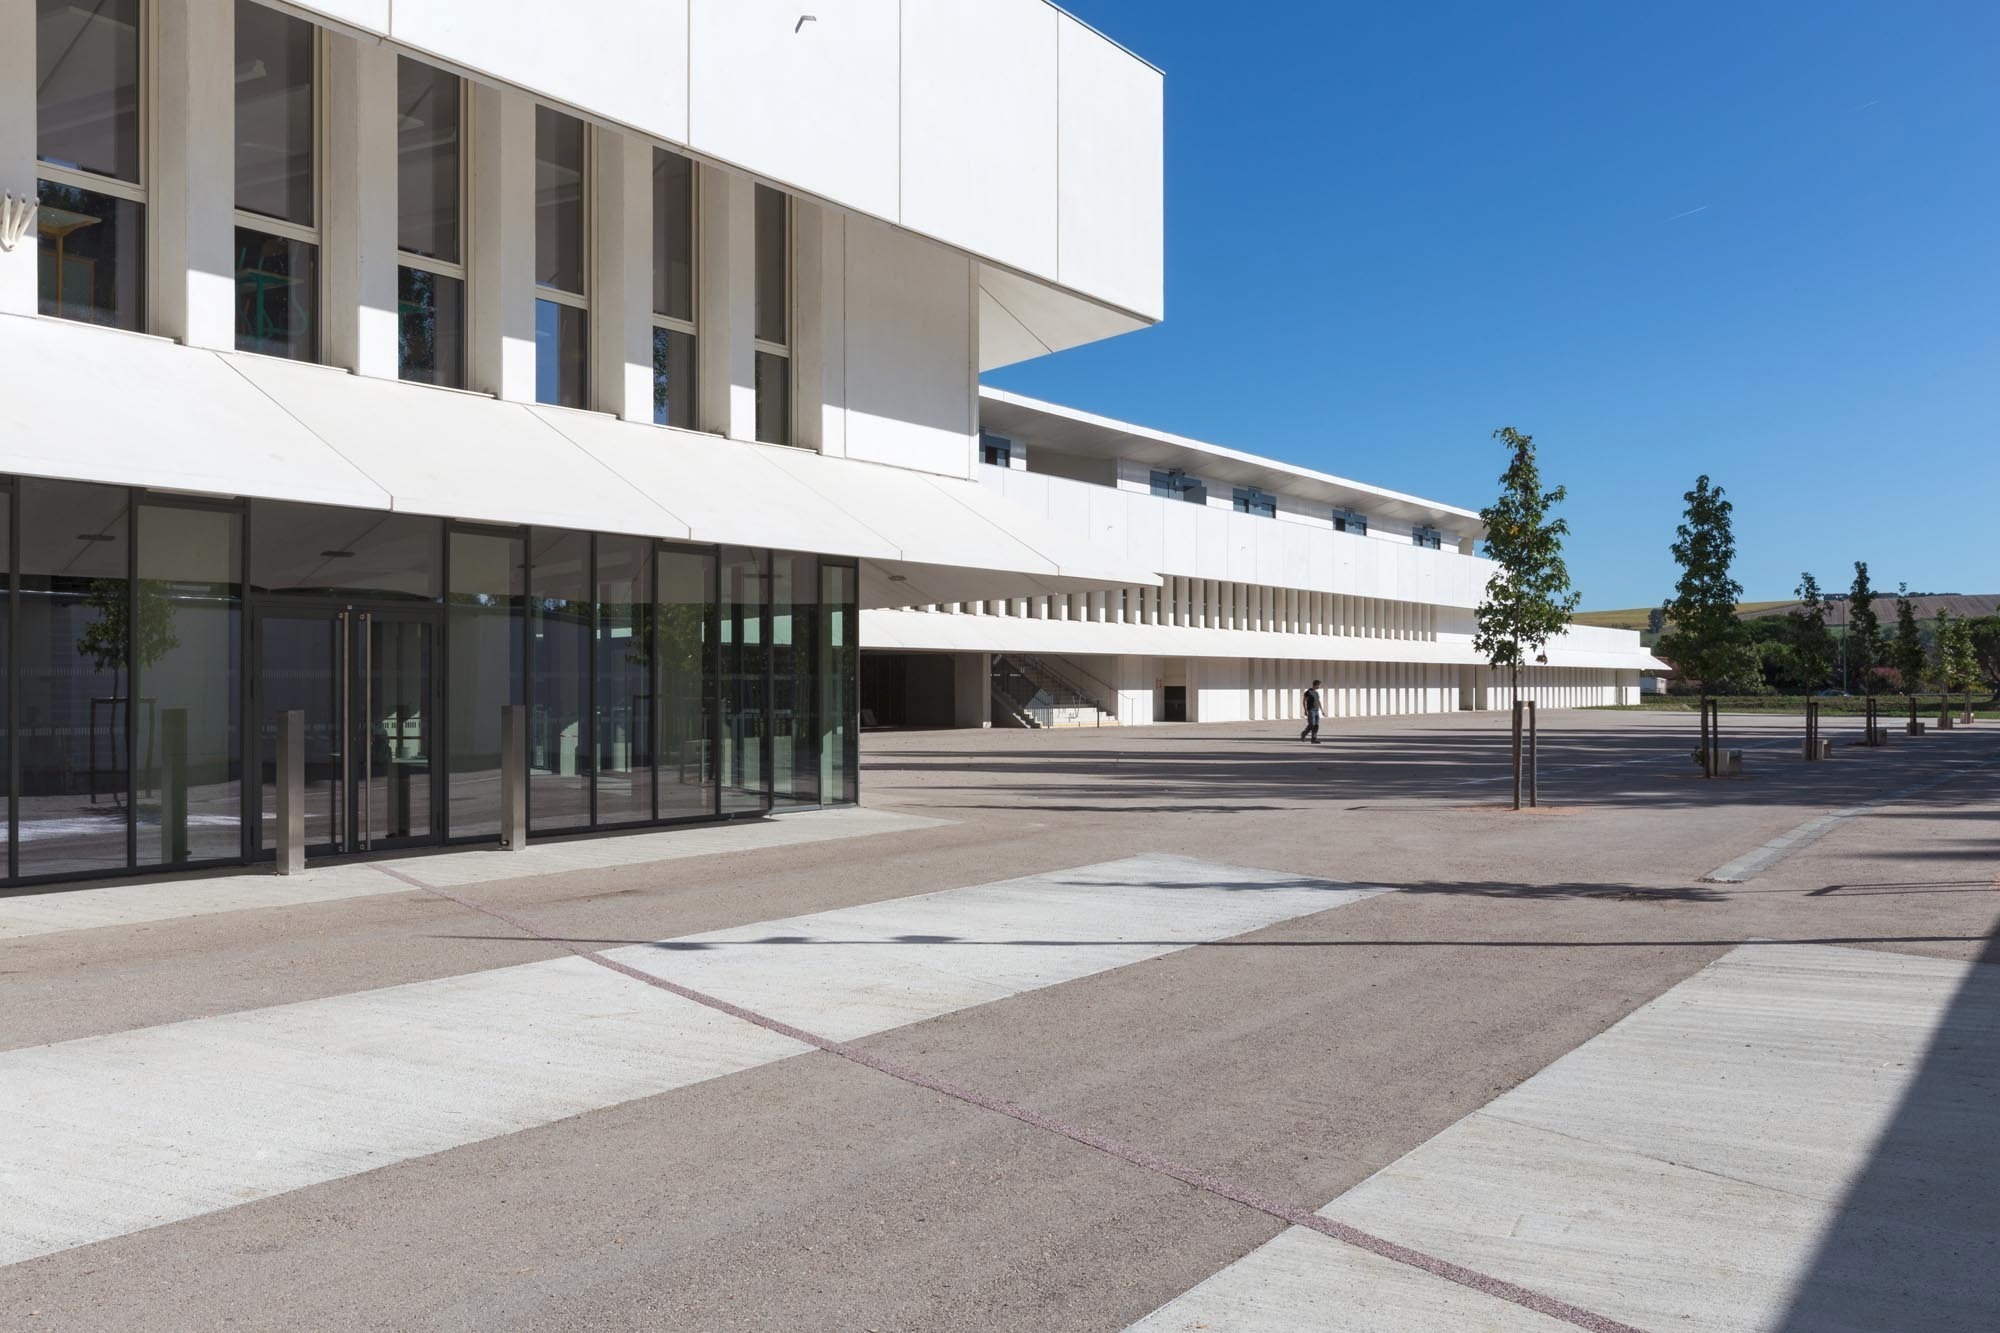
[366, 678]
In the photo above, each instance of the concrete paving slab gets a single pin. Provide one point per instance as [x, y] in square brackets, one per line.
[1303, 1280]
[164, 900]
[1793, 1129]
[110, 1134]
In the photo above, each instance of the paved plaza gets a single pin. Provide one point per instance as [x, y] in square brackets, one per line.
[1174, 1028]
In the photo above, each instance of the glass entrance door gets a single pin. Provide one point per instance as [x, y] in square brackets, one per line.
[366, 679]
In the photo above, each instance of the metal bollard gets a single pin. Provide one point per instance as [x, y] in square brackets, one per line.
[513, 777]
[291, 782]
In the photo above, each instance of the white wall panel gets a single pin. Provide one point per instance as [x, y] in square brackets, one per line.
[370, 14]
[810, 103]
[979, 127]
[909, 351]
[1212, 536]
[1113, 175]
[1146, 532]
[627, 61]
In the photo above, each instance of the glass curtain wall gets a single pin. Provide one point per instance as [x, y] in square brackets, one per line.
[794, 658]
[562, 259]
[74, 679]
[90, 228]
[837, 678]
[559, 634]
[187, 695]
[624, 702]
[430, 278]
[673, 290]
[484, 619]
[662, 682]
[744, 679]
[684, 636]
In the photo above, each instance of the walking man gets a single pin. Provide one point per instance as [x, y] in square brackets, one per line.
[1312, 715]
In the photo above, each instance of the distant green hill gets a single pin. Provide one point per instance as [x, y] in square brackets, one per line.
[1927, 606]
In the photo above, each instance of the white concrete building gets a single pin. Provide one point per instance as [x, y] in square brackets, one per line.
[1271, 576]
[399, 362]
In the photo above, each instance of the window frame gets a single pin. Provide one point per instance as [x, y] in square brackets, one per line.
[1250, 500]
[462, 268]
[1350, 521]
[132, 192]
[578, 300]
[691, 326]
[1003, 445]
[763, 345]
[243, 219]
[1426, 537]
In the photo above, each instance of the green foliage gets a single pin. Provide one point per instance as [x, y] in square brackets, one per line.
[1706, 640]
[1906, 650]
[1529, 599]
[1957, 660]
[1865, 649]
[105, 641]
[1811, 638]
[1983, 634]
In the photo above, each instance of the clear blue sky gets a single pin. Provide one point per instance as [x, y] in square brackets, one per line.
[1760, 241]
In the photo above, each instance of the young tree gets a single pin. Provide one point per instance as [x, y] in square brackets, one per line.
[1906, 651]
[1957, 661]
[1984, 635]
[1705, 640]
[1864, 631]
[1810, 636]
[1529, 599]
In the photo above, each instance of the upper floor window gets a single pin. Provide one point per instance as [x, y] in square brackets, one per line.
[1250, 500]
[277, 183]
[773, 247]
[562, 259]
[430, 224]
[1175, 484]
[1349, 520]
[673, 289]
[89, 137]
[995, 450]
[1426, 537]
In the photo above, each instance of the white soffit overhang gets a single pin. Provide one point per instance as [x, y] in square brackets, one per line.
[91, 404]
[1021, 318]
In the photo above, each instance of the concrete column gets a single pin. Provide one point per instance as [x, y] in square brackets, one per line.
[972, 693]
[726, 292]
[18, 281]
[191, 206]
[819, 317]
[502, 299]
[621, 302]
[359, 253]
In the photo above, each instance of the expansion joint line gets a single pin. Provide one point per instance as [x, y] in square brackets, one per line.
[1484, 1283]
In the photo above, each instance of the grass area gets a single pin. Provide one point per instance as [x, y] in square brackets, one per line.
[1893, 707]
[1635, 617]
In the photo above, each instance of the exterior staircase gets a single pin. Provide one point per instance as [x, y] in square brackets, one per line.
[1030, 692]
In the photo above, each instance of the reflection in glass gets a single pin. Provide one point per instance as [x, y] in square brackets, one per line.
[274, 114]
[774, 398]
[427, 149]
[300, 666]
[559, 200]
[794, 660]
[189, 753]
[6, 656]
[74, 691]
[673, 378]
[92, 255]
[393, 784]
[772, 235]
[624, 745]
[277, 284]
[430, 328]
[745, 688]
[561, 346]
[673, 235]
[838, 675]
[559, 615]
[366, 553]
[684, 635]
[87, 86]
[483, 656]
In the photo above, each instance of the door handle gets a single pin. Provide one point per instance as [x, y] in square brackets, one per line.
[342, 729]
[367, 725]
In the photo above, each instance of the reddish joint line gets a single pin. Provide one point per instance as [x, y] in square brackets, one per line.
[1499, 1288]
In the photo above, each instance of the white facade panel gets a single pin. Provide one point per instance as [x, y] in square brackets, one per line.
[910, 338]
[625, 61]
[805, 96]
[372, 15]
[1113, 169]
[980, 75]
